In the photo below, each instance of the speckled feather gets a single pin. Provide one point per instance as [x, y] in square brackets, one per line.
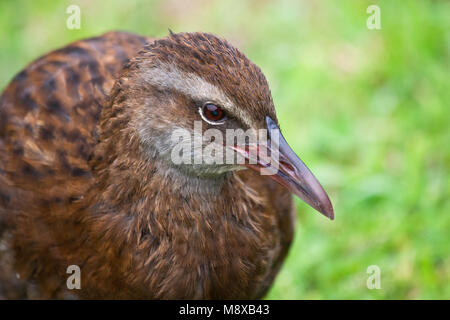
[76, 188]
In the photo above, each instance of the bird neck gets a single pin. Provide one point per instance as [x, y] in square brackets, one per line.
[125, 171]
[137, 201]
[127, 179]
[143, 215]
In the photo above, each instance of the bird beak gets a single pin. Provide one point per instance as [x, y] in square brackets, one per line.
[276, 159]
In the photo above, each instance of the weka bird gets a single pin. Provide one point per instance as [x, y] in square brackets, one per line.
[86, 177]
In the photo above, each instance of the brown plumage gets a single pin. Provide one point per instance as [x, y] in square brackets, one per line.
[85, 179]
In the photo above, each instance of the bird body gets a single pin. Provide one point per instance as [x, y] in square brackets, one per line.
[85, 177]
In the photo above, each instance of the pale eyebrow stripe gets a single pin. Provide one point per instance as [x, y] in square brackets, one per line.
[169, 77]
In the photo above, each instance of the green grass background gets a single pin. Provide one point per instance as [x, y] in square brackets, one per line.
[367, 110]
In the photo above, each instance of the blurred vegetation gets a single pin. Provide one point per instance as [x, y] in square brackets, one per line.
[368, 110]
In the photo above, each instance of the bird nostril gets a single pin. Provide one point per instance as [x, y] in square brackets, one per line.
[287, 166]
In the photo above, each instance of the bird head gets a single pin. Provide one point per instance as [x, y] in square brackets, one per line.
[197, 96]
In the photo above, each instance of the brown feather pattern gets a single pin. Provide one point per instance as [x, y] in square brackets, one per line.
[77, 188]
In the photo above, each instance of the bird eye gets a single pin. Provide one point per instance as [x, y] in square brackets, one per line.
[212, 114]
